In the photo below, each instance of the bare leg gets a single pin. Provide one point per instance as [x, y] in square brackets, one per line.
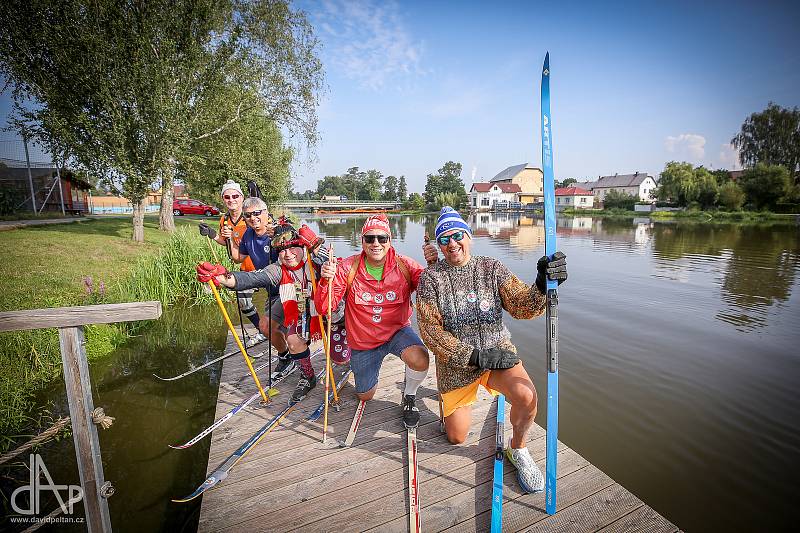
[518, 389]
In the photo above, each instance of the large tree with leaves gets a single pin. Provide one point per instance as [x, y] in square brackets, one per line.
[771, 137]
[446, 180]
[133, 92]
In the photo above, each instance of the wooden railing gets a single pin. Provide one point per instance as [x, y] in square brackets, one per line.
[70, 322]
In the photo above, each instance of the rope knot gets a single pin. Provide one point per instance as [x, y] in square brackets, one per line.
[100, 418]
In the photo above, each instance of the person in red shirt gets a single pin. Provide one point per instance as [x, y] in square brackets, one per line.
[377, 285]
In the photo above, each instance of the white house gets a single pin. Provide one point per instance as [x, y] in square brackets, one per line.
[573, 198]
[485, 195]
[640, 184]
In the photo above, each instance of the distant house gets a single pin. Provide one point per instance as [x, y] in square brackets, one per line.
[639, 184]
[48, 188]
[484, 196]
[530, 180]
[516, 184]
[573, 198]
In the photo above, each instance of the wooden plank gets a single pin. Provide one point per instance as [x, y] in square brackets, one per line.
[591, 513]
[355, 485]
[642, 520]
[61, 317]
[84, 433]
[569, 461]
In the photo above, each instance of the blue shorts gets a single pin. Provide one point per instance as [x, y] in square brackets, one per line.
[367, 363]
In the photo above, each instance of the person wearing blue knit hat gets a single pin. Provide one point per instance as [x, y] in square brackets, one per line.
[460, 305]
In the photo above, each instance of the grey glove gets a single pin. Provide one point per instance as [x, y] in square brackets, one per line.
[554, 269]
[206, 231]
[493, 358]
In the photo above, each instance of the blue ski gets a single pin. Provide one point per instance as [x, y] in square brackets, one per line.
[318, 411]
[552, 293]
[497, 485]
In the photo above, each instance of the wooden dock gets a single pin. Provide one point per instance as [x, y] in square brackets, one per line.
[291, 481]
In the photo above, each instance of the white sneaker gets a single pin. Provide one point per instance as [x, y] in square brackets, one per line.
[255, 339]
[528, 474]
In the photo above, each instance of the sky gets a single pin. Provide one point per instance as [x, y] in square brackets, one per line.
[411, 85]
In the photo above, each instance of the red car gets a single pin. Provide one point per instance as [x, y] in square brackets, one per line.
[192, 207]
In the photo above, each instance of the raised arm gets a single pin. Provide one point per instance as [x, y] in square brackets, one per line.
[332, 274]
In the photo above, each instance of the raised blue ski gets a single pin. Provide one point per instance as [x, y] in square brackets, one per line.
[552, 294]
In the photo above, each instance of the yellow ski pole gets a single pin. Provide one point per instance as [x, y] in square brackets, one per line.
[329, 370]
[238, 340]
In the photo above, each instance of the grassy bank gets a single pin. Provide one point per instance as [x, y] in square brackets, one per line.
[690, 215]
[79, 264]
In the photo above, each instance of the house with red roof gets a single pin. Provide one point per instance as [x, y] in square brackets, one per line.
[573, 198]
[484, 196]
[518, 184]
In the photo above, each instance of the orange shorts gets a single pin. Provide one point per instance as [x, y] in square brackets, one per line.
[466, 395]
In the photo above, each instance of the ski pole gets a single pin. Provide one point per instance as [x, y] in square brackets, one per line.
[325, 340]
[328, 356]
[238, 340]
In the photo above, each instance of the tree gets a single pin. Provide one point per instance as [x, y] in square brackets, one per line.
[618, 199]
[731, 196]
[390, 188]
[127, 90]
[446, 180]
[676, 183]
[566, 183]
[415, 201]
[372, 186]
[764, 185]
[771, 137]
[706, 188]
[402, 189]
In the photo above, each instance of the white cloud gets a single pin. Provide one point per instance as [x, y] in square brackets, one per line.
[686, 146]
[728, 157]
[366, 41]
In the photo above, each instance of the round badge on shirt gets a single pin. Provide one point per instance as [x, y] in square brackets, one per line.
[366, 296]
[336, 337]
[376, 318]
[379, 298]
[485, 305]
[472, 298]
[377, 310]
[391, 296]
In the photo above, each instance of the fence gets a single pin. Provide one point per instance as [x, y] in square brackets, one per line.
[70, 322]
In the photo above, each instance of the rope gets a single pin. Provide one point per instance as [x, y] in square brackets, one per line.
[99, 417]
[38, 439]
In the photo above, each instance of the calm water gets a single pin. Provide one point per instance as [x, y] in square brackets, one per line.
[678, 373]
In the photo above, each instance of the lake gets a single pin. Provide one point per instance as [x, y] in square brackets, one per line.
[679, 369]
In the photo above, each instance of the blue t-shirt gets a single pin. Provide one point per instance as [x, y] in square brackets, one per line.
[258, 248]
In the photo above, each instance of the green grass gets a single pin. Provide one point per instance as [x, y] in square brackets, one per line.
[85, 263]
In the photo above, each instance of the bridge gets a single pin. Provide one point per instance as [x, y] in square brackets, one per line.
[337, 205]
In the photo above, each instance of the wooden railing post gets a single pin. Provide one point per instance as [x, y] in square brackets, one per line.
[70, 322]
[84, 432]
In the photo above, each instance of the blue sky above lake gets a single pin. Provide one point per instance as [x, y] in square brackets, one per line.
[634, 84]
[411, 85]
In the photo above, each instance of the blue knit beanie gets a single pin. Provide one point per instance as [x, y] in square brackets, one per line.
[450, 219]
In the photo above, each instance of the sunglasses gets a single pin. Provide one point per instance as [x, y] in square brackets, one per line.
[445, 239]
[255, 213]
[231, 196]
[369, 239]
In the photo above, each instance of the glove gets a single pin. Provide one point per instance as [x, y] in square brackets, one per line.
[309, 238]
[206, 271]
[206, 231]
[493, 358]
[555, 269]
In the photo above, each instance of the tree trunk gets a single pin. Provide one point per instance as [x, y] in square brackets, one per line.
[138, 220]
[166, 220]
